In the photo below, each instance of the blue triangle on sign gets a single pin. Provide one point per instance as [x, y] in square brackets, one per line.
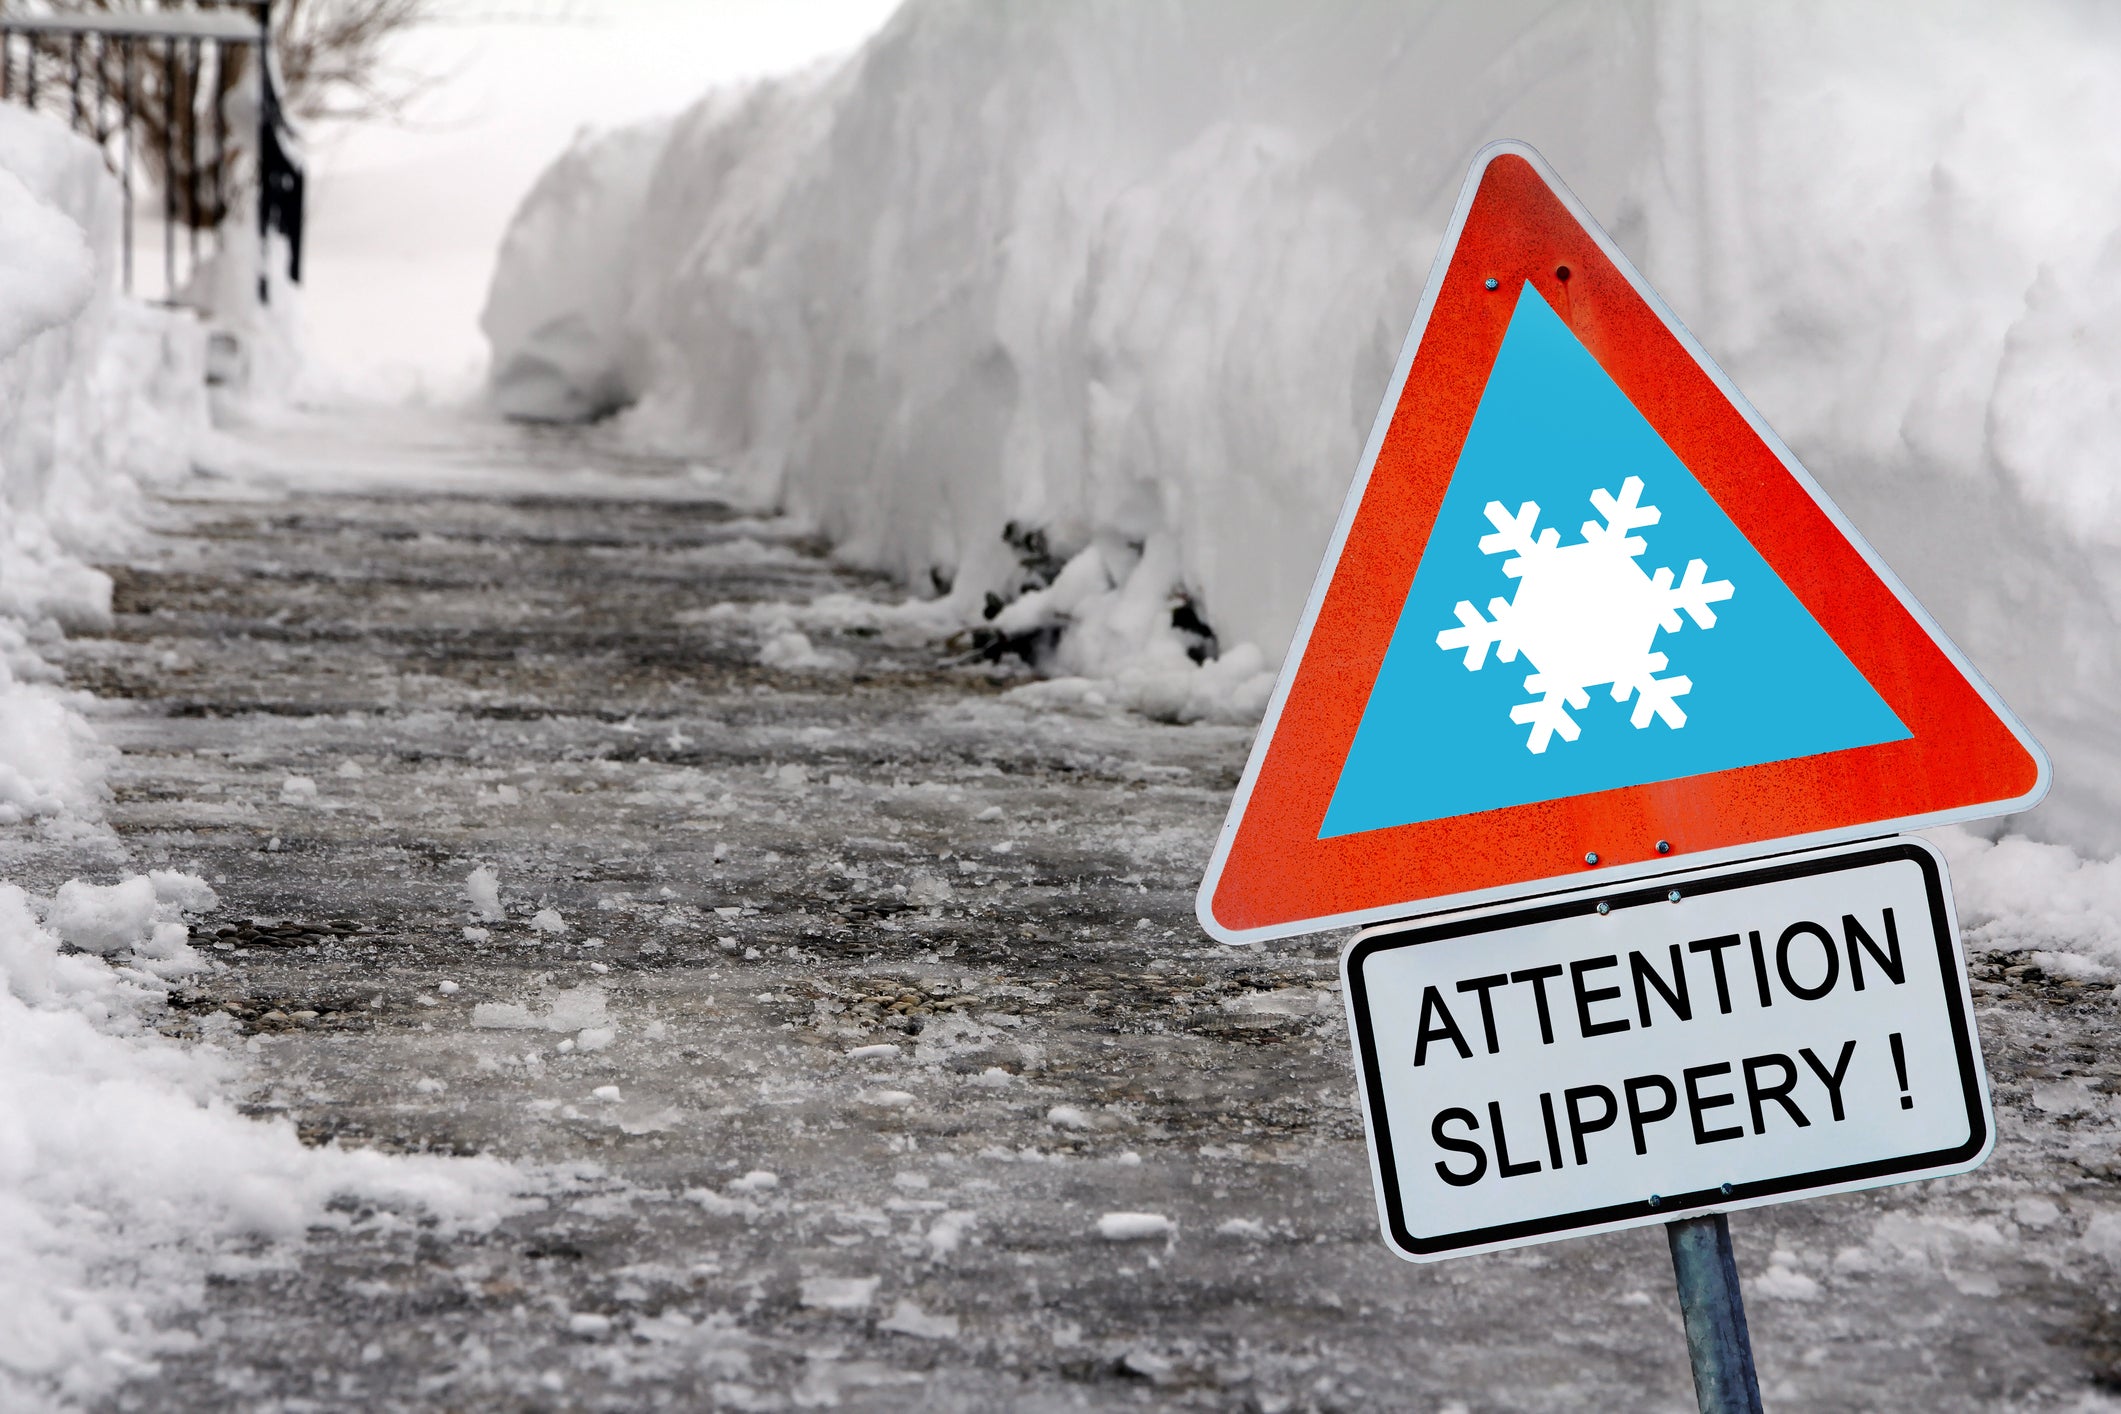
[1763, 682]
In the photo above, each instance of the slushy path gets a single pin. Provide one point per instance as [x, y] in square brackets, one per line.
[865, 992]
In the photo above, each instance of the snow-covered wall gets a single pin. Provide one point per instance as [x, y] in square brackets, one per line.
[1132, 273]
[96, 393]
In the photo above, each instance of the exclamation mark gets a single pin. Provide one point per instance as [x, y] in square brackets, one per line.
[1907, 1101]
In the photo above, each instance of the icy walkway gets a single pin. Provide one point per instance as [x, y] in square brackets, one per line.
[864, 994]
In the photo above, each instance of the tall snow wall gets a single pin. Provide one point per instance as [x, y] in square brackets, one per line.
[1133, 273]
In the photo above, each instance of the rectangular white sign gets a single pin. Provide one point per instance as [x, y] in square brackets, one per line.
[1788, 1028]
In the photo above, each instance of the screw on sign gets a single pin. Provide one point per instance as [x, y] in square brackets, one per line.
[1644, 947]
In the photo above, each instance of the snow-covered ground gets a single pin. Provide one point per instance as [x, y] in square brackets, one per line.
[1117, 287]
[850, 994]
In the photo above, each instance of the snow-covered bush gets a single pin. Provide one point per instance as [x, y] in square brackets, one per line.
[1131, 277]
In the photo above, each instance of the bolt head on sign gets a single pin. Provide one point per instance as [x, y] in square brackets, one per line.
[1585, 618]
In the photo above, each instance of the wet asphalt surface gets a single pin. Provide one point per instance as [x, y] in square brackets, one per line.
[767, 876]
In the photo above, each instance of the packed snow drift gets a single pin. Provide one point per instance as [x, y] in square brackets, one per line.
[1099, 301]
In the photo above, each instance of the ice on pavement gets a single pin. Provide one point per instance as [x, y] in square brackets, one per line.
[839, 1293]
[907, 1318]
[578, 1008]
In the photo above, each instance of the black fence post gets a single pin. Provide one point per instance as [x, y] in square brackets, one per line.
[129, 90]
[96, 57]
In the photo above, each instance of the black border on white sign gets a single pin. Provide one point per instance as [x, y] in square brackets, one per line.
[1670, 1205]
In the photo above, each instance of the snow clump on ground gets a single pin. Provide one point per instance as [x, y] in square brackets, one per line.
[1108, 398]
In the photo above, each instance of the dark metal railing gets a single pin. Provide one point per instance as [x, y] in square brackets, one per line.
[151, 87]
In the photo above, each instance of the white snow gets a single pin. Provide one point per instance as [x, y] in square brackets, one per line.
[1123, 285]
[96, 396]
[590, 1324]
[547, 920]
[948, 1232]
[407, 214]
[483, 887]
[1067, 1117]
[1134, 1227]
[791, 650]
[1783, 1282]
[2015, 893]
[105, 918]
[123, 1164]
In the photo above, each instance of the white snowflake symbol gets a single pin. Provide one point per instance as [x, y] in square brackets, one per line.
[1585, 615]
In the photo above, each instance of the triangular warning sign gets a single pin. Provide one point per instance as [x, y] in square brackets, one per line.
[1584, 616]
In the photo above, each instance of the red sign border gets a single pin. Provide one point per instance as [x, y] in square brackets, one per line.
[1272, 876]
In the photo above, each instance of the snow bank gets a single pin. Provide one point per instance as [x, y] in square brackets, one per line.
[96, 394]
[2018, 895]
[121, 1165]
[1015, 284]
[565, 340]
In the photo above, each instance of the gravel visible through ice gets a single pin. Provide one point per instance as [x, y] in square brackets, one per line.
[832, 1097]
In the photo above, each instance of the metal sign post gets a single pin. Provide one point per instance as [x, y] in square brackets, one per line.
[1709, 1302]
